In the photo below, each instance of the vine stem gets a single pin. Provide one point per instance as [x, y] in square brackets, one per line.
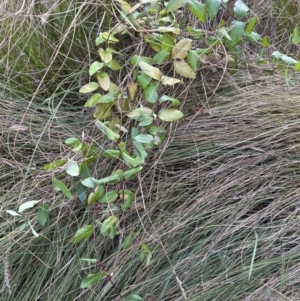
[101, 263]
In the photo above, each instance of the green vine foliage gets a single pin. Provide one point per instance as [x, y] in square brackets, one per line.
[179, 50]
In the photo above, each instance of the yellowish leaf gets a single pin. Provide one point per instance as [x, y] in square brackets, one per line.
[151, 71]
[184, 69]
[180, 50]
[170, 81]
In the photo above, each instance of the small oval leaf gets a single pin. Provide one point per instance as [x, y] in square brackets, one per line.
[82, 234]
[170, 115]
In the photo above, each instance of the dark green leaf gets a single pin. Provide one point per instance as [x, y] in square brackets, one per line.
[236, 32]
[251, 24]
[175, 101]
[167, 41]
[92, 279]
[60, 186]
[43, 213]
[162, 56]
[213, 7]
[144, 80]
[197, 9]
[81, 192]
[82, 234]
[174, 5]
[150, 92]
[131, 173]
[193, 59]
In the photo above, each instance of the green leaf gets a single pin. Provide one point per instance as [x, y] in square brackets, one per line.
[127, 241]
[105, 56]
[95, 67]
[170, 115]
[90, 87]
[72, 168]
[144, 138]
[150, 92]
[109, 37]
[99, 40]
[193, 59]
[195, 32]
[174, 5]
[93, 100]
[155, 130]
[162, 56]
[137, 113]
[12, 212]
[107, 98]
[128, 197]
[151, 71]
[81, 192]
[265, 42]
[222, 33]
[295, 36]
[103, 80]
[144, 80]
[43, 214]
[131, 173]
[92, 279]
[27, 205]
[252, 37]
[251, 24]
[111, 154]
[130, 161]
[89, 182]
[55, 164]
[180, 50]
[133, 298]
[109, 226]
[112, 179]
[107, 131]
[136, 59]
[167, 42]
[175, 101]
[72, 141]
[60, 186]
[183, 69]
[82, 234]
[240, 9]
[113, 65]
[213, 7]
[109, 197]
[197, 9]
[288, 60]
[170, 81]
[297, 66]
[236, 32]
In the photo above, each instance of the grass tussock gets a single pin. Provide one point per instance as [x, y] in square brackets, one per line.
[229, 173]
